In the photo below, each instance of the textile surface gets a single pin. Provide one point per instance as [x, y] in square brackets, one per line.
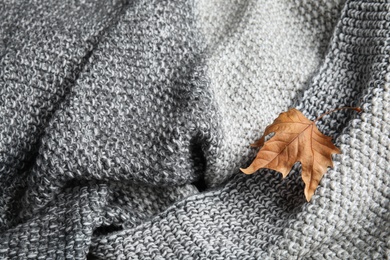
[123, 125]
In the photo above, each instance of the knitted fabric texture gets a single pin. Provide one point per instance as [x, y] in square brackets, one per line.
[123, 125]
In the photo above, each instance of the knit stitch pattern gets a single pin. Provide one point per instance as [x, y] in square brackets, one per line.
[123, 125]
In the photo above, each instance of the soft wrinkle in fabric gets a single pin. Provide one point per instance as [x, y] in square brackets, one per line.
[123, 125]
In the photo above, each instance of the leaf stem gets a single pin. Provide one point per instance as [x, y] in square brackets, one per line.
[358, 109]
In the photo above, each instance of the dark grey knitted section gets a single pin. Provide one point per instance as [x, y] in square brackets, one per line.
[116, 115]
[43, 47]
[140, 111]
[130, 133]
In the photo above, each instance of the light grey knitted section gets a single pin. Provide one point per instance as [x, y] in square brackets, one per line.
[116, 115]
[265, 217]
[264, 55]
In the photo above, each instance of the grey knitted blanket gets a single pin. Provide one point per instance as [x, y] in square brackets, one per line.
[123, 125]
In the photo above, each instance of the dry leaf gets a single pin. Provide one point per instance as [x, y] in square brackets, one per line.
[296, 139]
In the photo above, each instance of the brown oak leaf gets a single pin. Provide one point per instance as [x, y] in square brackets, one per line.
[296, 139]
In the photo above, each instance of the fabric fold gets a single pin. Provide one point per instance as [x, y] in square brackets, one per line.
[115, 116]
[44, 47]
